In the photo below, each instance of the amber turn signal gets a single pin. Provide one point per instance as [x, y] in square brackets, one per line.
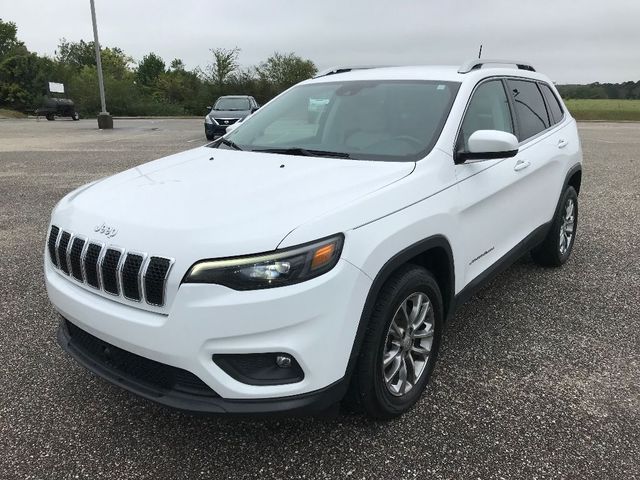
[322, 256]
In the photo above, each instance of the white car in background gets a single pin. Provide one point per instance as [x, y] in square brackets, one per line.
[305, 259]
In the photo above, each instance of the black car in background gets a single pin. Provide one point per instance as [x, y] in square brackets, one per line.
[57, 107]
[226, 111]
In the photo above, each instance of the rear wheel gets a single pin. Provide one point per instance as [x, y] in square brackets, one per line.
[50, 117]
[556, 247]
[401, 344]
[75, 116]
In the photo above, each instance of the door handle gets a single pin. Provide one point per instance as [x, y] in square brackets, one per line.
[562, 143]
[521, 165]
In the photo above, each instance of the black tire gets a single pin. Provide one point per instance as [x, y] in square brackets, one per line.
[209, 136]
[368, 389]
[550, 252]
[75, 117]
[50, 117]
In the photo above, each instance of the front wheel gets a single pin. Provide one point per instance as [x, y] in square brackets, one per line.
[50, 117]
[75, 116]
[401, 344]
[556, 248]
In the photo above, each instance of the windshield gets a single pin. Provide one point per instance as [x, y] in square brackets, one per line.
[372, 120]
[229, 103]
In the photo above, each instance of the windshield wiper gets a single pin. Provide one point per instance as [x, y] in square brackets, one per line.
[304, 152]
[228, 143]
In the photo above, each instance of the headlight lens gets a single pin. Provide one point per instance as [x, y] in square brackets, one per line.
[208, 119]
[276, 269]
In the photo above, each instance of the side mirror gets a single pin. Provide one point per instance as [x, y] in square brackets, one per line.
[209, 107]
[489, 144]
[254, 109]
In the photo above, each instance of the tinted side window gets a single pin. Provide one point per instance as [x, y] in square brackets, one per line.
[529, 105]
[554, 105]
[488, 110]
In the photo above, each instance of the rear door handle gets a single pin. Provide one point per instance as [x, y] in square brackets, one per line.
[562, 143]
[521, 165]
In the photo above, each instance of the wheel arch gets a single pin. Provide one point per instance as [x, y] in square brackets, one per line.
[433, 253]
[574, 178]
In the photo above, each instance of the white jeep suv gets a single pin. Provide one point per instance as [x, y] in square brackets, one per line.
[315, 253]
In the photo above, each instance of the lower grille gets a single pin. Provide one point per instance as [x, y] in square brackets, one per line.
[226, 121]
[134, 276]
[144, 371]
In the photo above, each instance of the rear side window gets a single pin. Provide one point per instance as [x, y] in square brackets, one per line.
[555, 110]
[488, 110]
[529, 108]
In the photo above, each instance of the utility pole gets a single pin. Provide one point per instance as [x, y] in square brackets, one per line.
[105, 121]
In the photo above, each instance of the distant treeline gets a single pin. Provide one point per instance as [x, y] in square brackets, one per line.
[151, 87]
[145, 87]
[614, 91]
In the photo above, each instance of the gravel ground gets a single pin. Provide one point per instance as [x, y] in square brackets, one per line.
[538, 377]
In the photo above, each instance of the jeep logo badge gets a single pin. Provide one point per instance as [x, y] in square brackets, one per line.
[110, 232]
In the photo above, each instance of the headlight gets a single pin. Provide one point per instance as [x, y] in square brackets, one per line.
[210, 120]
[268, 270]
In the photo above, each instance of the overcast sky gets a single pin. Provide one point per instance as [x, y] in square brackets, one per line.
[573, 41]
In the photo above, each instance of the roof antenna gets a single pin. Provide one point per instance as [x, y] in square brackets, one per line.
[480, 52]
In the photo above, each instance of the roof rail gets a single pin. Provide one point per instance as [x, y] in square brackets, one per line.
[479, 62]
[335, 70]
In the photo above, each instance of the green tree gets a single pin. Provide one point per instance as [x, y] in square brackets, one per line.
[24, 78]
[149, 69]
[76, 54]
[8, 39]
[282, 71]
[115, 63]
[151, 88]
[177, 65]
[225, 62]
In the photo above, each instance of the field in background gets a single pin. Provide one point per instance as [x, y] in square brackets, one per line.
[612, 110]
[581, 109]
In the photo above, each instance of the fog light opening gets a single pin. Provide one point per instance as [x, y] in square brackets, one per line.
[284, 361]
[272, 368]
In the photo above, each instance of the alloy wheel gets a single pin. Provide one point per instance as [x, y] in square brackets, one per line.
[567, 226]
[408, 344]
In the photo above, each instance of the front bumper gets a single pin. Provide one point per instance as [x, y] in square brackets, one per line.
[313, 321]
[163, 388]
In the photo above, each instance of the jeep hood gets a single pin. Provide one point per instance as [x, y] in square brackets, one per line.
[217, 203]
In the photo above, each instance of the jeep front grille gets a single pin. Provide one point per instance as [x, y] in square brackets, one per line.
[51, 244]
[63, 245]
[109, 268]
[75, 257]
[154, 279]
[132, 275]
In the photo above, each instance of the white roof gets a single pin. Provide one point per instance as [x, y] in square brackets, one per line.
[426, 72]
